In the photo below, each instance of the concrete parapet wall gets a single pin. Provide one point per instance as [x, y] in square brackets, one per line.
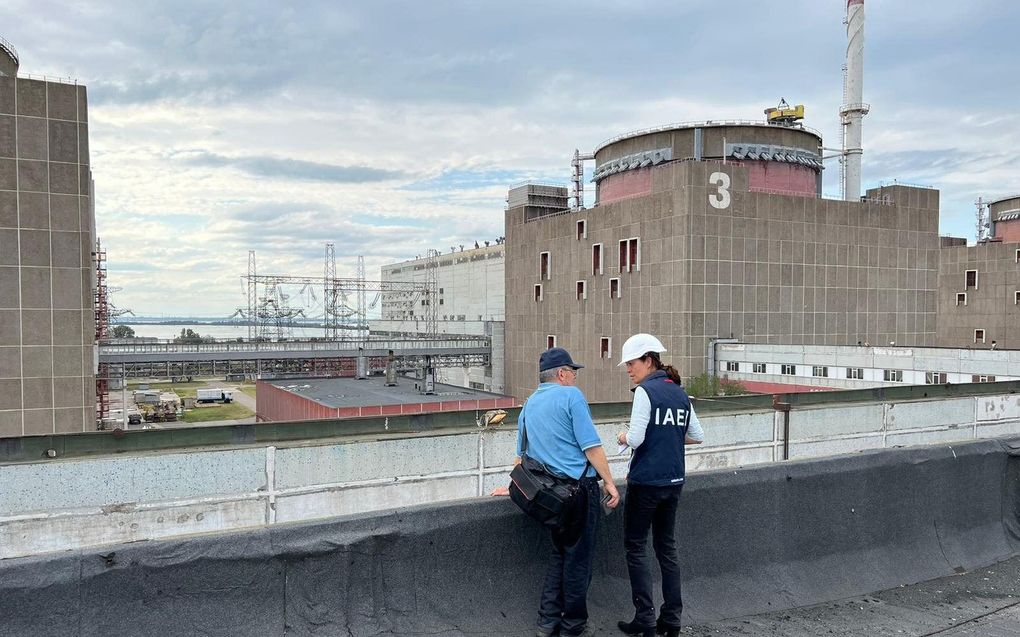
[761, 538]
[83, 502]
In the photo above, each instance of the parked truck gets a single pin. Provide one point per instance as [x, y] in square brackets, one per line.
[215, 395]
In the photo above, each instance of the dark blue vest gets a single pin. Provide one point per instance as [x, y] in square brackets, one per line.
[659, 461]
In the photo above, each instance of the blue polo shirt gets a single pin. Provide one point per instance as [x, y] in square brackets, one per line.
[560, 429]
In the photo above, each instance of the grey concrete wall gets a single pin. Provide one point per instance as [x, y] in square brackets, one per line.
[47, 324]
[991, 306]
[756, 539]
[57, 505]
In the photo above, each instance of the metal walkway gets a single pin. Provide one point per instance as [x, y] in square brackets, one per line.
[310, 357]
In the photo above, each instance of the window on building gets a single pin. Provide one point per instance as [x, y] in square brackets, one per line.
[1018, 256]
[423, 302]
[538, 292]
[614, 288]
[855, 373]
[596, 259]
[982, 378]
[543, 266]
[440, 301]
[605, 347]
[630, 254]
[961, 298]
[893, 375]
[550, 341]
[582, 229]
[440, 290]
[582, 290]
[820, 371]
[979, 336]
[758, 368]
[788, 370]
[1016, 298]
[732, 366]
[936, 378]
[971, 279]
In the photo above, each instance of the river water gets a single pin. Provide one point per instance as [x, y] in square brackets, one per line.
[215, 331]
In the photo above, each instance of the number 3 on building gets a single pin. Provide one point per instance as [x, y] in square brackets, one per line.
[721, 198]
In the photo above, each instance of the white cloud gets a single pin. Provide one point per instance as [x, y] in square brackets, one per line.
[391, 127]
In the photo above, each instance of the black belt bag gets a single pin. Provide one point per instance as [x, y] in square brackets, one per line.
[539, 493]
[553, 500]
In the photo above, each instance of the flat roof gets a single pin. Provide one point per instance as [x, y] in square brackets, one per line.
[704, 124]
[372, 391]
[1001, 199]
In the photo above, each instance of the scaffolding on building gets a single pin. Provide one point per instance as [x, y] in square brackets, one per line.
[101, 304]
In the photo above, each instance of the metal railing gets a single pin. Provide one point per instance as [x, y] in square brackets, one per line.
[697, 124]
[446, 343]
[48, 78]
[546, 184]
[1001, 199]
[894, 182]
[9, 49]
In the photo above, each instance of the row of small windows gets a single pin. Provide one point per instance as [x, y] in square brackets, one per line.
[629, 261]
[605, 345]
[857, 373]
[581, 290]
[961, 298]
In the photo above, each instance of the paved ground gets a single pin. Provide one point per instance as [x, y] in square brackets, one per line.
[240, 397]
[981, 603]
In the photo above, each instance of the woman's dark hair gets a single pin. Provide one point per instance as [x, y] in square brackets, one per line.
[671, 371]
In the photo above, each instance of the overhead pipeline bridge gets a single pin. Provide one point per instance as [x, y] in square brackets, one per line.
[169, 359]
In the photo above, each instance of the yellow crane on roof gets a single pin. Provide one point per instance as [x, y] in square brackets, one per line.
[784, 114]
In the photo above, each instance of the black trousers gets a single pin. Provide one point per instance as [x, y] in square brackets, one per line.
[653, 508]
[565, 594]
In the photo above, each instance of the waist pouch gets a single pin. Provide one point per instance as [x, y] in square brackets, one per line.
[541, 494]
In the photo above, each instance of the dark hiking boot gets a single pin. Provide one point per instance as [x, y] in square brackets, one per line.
[632, 628]
[663, 629]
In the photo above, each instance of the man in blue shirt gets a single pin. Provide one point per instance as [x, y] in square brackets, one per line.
[562, 436]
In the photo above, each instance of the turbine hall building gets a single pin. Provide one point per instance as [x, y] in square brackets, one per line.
[712, 231]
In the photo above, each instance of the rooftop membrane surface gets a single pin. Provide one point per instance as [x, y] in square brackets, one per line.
[980, 603]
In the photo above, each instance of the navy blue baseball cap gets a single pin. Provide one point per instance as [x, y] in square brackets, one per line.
[556, 357]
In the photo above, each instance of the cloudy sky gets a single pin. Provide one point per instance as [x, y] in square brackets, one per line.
[391, 127]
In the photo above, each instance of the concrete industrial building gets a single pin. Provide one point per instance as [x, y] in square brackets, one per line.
[767, 368]
[321, 398]
[470, 296]
[708, 231]
[979, 285]
[979, 296]
[47, 231]
[470, 287]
